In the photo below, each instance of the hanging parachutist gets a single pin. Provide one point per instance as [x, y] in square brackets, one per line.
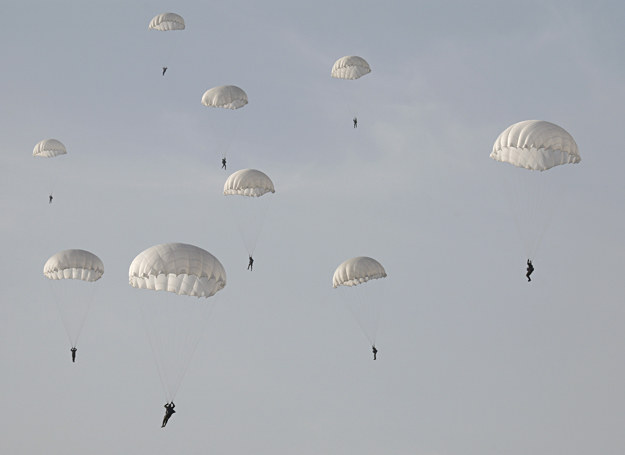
[251, 263]
[169, 411]
[375, 352]
[164, 69]
[74, 354]
[355, 122]
[223, 162]
[530, 269]
[50, 199]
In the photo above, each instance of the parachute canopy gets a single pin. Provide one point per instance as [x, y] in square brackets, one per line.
[179, 268]
[356, 271]
[248, 182]
[225, 96]
[536, 145]
[49, 148]
[350, 67]
[167, 21]
[74, 265]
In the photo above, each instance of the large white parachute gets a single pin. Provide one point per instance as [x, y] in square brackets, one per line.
[350, 67]
[166, 22]
[174, 322]
[363, 298]
[248, 182]
[531, 147]
[74, 265]
[49, 148]
[535, 145]
[357, 270]
[225, 96]
[72, 274]
[179, 268]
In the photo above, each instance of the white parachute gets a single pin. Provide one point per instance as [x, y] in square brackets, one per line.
[247, 191]
[350, 67]
[168, 43]
[174, 322]
[248, 182]
[533, 146]
[73, 273]
[223, 125]
[49, 148]
[362, 297]
[166, 22]
[74, 265]
[225, 97]
[179, 268]
[356, 271]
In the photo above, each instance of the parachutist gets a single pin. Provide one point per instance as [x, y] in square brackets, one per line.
[375, 352]
[50, 199]
[251, 263]
[530, 269]
[164, 70]
[223, 163]
[355, 122]
[74, 354]
[169, 411]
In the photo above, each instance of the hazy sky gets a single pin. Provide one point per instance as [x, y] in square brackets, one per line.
[472, 360]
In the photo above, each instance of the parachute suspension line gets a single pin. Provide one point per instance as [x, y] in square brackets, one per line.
[83, 318]
[363, 328]
[193, 344]
[153, 342]
[530, 207]
[71, 312]
[57, 301]
[230, 140]
[173, 341]
[250, 215]
[364, 309]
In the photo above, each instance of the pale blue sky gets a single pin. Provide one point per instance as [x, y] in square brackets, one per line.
[473, 359]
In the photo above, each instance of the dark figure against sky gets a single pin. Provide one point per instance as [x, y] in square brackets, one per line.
[530, 269]
[169, 411]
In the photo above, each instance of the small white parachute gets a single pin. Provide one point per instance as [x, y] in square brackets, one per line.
[72, 275]
[350, 67]
[359, 284]
[166, 22]
[248, 182]
[356, 271]
[178, 268]
[74, 265]
[49, 148]
[535, 145]
[225, 96]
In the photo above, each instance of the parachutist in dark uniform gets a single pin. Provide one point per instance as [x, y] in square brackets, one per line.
[74, 354]
[530, 269]
[375, 352]
[50, 199]
[251, 263]
[169, 411]
[355, 122]
[164, 69]
[223, 163]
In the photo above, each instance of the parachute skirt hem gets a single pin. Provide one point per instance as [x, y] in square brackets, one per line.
[534, 159]
[190, 285]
